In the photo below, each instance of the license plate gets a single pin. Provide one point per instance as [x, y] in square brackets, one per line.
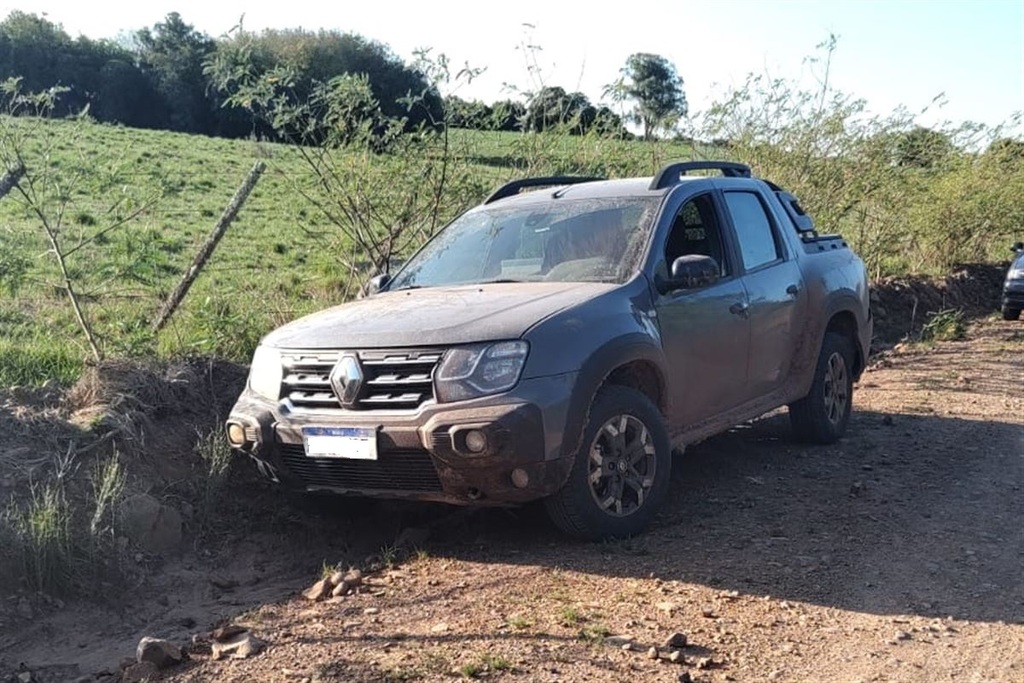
[352, 443]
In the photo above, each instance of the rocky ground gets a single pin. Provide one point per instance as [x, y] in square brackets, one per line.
[895, 555]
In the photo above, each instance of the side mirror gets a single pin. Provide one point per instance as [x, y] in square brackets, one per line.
[377, 283]
[1017, 247]
[692, 272]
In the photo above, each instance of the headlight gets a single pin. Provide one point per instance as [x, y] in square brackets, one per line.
[265, 372]
[1015, 274]
[479, 370]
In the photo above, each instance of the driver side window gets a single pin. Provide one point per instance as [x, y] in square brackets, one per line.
[696, 231]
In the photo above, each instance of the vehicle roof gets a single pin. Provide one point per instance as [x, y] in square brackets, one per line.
[596, 189]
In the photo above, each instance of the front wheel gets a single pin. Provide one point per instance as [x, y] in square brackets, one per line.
[620, 475]
[822, 415]
[1010, 313]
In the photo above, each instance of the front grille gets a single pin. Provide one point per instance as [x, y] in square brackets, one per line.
[391, 379]
[396, 470]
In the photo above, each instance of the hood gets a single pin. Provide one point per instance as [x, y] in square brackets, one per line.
[435, 316]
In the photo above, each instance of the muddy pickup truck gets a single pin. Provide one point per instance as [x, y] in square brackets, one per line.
[559, 340]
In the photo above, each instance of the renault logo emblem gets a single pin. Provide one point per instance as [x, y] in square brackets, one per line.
[347, 380]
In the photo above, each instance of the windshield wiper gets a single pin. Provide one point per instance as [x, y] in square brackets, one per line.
[499, 281]
[399, 289]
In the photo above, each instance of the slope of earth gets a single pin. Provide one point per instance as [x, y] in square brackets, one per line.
[894, 555]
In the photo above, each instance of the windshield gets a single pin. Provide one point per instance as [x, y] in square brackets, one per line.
[586, 240]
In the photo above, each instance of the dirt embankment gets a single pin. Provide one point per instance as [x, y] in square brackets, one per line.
[897, 554]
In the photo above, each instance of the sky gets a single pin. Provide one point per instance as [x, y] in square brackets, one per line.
[968, 54]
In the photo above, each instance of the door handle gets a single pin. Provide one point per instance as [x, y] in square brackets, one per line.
[740, 308]
[792, 290]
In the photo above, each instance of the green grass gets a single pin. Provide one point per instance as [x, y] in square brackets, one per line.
[280, 259]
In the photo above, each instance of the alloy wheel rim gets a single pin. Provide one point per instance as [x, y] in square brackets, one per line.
[622, 464]
[837, 389]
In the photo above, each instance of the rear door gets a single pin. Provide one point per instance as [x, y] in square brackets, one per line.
[777, 295]
[705, 333]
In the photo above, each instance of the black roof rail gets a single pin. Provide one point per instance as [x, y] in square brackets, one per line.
[669, 175]
[513, 188]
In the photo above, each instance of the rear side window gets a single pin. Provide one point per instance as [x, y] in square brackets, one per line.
[758, 244]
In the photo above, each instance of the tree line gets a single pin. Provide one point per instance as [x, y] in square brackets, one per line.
[165, 77]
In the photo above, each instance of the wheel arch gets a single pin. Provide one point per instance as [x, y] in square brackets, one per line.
[635, 363]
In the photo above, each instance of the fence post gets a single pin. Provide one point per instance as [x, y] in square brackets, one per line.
[190, 275]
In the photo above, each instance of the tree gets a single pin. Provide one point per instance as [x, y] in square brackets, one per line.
[173, 53]
[922, 148]
[314, 58]
[652, 83]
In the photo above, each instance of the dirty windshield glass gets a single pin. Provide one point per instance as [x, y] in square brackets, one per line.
[591, 240]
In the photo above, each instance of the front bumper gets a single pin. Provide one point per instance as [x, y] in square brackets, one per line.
[1013, 295]
[422, 454]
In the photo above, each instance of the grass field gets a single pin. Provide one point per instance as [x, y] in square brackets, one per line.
[281, 258]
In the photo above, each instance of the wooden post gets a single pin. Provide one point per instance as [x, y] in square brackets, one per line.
[190, 275]
[11, 179]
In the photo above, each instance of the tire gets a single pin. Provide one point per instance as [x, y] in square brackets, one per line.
[822, 415]
[1010, 313]
[608, 495]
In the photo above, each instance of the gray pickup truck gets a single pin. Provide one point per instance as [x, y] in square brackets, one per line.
[557, 341]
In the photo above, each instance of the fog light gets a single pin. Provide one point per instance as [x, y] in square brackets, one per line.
[476, 441]
[236, 434]
[520, 479]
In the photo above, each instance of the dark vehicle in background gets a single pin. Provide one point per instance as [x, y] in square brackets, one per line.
[557, 341]
[1013, 287]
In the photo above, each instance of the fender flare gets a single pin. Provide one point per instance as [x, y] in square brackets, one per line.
[595, 371]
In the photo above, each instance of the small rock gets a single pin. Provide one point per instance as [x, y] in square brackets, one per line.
[353, 578]
[139, 672]
[319, 590]
[708, 613]
[241, 646]
[439, 628]
[667, 607]
[776, 674]
[627, 647]
[676, 640]
[857, 488]
[227, 632]
[336, 578]
[618, 640]
[162, 653]
[685, 677]
[371, 610]
[340, 589]
[676, 656]
[902, 635]
[25, 677]
[703, 663]
[652, 653]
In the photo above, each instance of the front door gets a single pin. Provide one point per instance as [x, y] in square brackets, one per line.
[705, 332]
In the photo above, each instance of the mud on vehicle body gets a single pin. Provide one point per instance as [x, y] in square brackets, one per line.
[557, 342]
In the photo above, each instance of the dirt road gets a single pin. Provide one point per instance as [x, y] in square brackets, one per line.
[895, 555]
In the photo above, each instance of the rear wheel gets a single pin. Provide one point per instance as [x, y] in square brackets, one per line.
[620, 475]
[822, 415]
[1010, 313]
